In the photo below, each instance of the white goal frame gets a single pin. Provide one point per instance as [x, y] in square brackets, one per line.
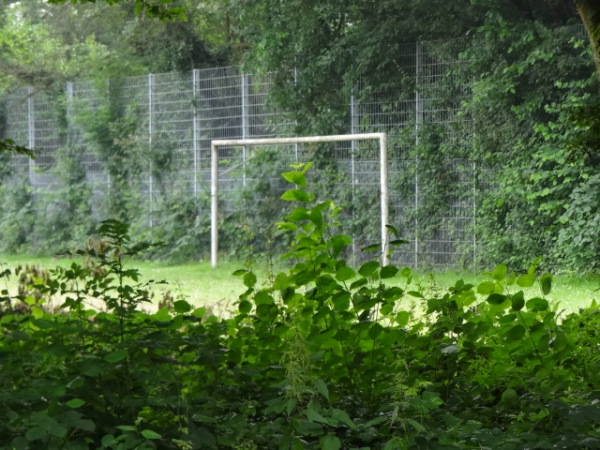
[215, 144]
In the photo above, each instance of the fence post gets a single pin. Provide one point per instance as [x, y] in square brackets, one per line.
[70, 97]
[245, 125]
[418, 126]
[150, 131]
[354, 129]
[30, 132]
[195, 131]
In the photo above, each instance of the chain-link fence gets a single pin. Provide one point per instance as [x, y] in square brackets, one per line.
[165, 122]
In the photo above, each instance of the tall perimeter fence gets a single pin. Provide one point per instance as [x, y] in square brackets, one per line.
[167, 121]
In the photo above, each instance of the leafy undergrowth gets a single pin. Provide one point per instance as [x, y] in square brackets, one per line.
[321, 356]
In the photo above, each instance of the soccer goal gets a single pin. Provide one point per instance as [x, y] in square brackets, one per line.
[381, 138]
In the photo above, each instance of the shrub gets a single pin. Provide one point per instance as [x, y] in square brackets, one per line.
[319, 356]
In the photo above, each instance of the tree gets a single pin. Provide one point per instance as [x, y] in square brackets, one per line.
[589, 10]
[43, 43]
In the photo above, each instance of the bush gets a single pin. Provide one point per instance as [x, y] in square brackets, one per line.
[322, 355]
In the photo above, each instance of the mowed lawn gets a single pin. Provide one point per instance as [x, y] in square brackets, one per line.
[203, 285]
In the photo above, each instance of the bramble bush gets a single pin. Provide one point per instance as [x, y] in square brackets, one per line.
[318, 356]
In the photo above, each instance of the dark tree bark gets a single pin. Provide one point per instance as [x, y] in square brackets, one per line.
[589, 10]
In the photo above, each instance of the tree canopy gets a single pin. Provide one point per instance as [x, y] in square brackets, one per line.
[530, 96]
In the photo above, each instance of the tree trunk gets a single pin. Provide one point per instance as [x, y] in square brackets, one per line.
[589, 10]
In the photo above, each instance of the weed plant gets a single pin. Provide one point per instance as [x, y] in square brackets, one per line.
[319, 356]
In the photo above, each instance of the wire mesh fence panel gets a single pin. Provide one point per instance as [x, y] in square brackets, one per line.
[18, 107]
[132, 112]
[263, 117]
[171, 150]
[155, 131]
[84, 100]
[249, 193]
[48, 129]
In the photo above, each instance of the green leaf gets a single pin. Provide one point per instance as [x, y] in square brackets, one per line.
[108, 440]
[486, 288]
[387, 309]
[240, 272]
[182, 306]
[509, 397]
[518, 301]
[339, 242]
[345, 273]
[546, 283]
[287, 226]
[371, 248]
[376, 421]
[75, 403]
[298, 214]
[245, 307]
[496, 299]
[394, 444]
[392, 230]
[341, 301]
[308, 428]
[35, 433]
[295, 177]
[516, 333]
[499, 273]
[305, 166]
[388, 271]
[149, 434]
[416, 425]
[44, 324]
[402, 318]
[85, 425]
[368, 268]
[314, 416]
[537, 304]
[526, 280]
[321, 388]
[162, 315]
[375, 331]
[330, 442]
[296, 195]
[126, 427]
[117, 356]
[263, 297]
[46, 424]
[281, 282]
[359, 283]
[249, 280]
[343, 417]
[37, 312]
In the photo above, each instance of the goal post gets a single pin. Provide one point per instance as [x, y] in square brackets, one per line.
[384, 194]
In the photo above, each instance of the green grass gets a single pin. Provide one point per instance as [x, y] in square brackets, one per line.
[200, 284]
[569, 292]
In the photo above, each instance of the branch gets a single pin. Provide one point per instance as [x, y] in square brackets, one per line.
[8, 145]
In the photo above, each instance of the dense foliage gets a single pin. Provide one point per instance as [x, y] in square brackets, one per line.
[43, 45]
[524, 123]
[321, 356]
[535, 144]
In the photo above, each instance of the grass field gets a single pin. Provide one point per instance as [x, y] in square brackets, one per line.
[202, 285]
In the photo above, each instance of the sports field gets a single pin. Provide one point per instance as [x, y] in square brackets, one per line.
[201, 284]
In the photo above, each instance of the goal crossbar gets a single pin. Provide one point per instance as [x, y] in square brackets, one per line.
[384, 194]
